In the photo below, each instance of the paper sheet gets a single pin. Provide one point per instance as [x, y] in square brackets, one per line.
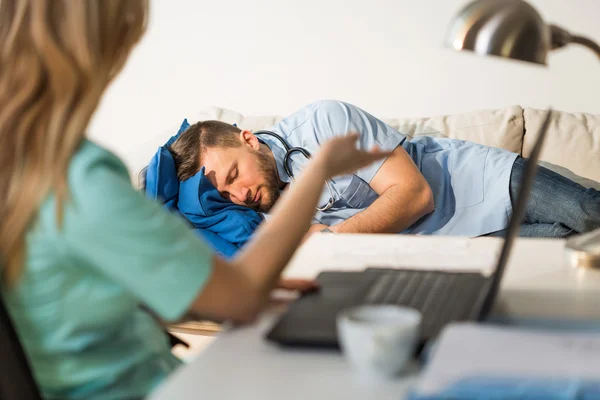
[354, 252]
[468, 350]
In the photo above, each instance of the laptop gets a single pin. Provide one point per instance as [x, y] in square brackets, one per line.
[441, 296]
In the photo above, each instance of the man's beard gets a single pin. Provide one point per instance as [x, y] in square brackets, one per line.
[271, 186]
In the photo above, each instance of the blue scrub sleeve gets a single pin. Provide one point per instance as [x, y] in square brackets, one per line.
[335, 118]
[131, 239]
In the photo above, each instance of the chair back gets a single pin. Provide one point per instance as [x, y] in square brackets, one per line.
[16, 378]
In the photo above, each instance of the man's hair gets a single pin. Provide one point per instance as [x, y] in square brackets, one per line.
[190, 145]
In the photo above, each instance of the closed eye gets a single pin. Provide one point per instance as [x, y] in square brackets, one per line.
[233, 176]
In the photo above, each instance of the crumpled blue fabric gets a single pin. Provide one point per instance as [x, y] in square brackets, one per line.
[515, 387]
[224, 225]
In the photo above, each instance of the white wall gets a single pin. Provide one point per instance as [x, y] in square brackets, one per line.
[274, 56]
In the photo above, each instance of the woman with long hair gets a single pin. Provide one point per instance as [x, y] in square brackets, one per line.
[80, 249]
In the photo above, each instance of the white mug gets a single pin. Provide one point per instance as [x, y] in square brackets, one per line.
[379, 340]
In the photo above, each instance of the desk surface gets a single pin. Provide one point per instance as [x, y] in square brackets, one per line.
[241, 364]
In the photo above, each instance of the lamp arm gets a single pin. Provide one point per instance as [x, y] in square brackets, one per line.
[590, 44]
[561, 38]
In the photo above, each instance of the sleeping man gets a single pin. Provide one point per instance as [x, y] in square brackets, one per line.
[433, 186]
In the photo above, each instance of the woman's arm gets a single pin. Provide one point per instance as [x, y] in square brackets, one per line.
[239, 289]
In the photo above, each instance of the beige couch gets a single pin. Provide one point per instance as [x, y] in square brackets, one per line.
[572, 146]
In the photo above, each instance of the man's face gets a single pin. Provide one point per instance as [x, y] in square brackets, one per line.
[243, 175]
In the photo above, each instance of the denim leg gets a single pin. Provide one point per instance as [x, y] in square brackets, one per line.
[556, 201]
[556, 230]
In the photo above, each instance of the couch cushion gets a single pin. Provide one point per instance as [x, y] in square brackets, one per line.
[572, 142]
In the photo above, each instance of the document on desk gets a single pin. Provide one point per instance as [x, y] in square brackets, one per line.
[359, 251]
[459, 254]
[491, 362]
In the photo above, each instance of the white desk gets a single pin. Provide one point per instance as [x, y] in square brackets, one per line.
[240, 364]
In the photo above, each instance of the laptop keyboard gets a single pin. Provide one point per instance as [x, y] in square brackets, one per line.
[440, 297]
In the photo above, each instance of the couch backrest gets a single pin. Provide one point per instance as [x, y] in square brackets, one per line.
[498, 128]
[573, 141]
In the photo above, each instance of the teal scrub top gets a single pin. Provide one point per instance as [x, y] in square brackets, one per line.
[470, 182]
[77, 304]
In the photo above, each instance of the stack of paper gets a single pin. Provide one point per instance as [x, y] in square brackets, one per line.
[490, 362]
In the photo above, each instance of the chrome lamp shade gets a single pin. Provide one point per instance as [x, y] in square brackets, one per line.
[510, 29]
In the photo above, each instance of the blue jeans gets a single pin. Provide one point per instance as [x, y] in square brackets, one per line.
[557, 207]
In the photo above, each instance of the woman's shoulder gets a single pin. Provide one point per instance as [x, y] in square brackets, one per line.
[92, 159]
[94, 177]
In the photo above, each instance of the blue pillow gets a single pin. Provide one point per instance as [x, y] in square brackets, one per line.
[182, 128]
[224, 225]
[202, 204]
[161, 178]
[218, 244]
[161, 174]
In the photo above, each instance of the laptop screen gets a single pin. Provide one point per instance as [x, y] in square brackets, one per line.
[517, 216]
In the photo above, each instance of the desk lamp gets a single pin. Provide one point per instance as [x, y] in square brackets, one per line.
[514, 29]
[509, 29]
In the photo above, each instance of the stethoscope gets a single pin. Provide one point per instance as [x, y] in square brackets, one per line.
[289, 151]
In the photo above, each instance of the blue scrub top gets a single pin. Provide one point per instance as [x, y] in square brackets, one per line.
[470, 182]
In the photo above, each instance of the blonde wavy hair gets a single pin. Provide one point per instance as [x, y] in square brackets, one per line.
[56, 59]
